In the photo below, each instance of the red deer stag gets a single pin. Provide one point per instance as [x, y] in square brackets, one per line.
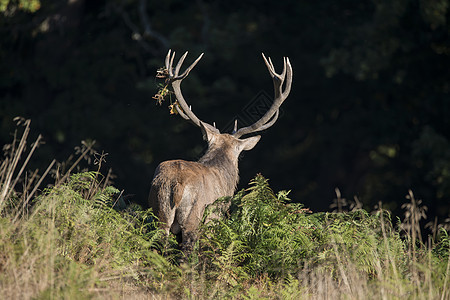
[182, 189]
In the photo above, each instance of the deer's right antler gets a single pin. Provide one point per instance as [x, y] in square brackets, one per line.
[271, 116]
[175, 79]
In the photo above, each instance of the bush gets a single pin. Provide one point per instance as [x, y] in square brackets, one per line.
[77, 240]
[265, 235]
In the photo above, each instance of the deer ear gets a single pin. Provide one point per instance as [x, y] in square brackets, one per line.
[249, 143]
[208, 131]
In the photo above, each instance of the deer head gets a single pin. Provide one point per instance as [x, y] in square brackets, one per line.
[180, 189]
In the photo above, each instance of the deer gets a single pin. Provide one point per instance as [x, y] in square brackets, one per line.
[181, 190]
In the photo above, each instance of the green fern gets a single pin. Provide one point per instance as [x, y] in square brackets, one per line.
[270, 235]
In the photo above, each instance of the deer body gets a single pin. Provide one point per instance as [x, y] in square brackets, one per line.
[181, 190]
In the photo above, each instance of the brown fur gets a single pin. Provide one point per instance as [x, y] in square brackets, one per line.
[181, 189]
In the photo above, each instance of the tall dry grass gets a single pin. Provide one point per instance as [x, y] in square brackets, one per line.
[55, 241]
[67, 241]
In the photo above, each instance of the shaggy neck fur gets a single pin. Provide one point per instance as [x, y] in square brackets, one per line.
[226, 168]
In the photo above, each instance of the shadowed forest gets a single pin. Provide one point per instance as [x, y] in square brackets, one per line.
[369, 110]
[346, 196]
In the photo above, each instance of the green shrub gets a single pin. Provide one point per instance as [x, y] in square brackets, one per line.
[266, 234]
[75, 239]
[74, 242]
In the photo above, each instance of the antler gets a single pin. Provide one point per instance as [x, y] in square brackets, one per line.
[271, 116]
[175, 79]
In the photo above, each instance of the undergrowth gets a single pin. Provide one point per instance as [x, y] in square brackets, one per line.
[76, 239]
[267, 234]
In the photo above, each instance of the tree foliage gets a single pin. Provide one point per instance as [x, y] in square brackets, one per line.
[8, 6]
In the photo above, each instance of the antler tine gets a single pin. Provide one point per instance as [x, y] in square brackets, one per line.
[269, 64]
[288, 86]
[283, 74]
[180, 62]
[271, 116]
[186, 72]
[171, 61]
[168, 64]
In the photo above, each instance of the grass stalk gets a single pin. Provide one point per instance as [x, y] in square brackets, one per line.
[6, 187]
[445, 289]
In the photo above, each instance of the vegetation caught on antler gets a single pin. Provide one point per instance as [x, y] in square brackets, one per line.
[164, 91]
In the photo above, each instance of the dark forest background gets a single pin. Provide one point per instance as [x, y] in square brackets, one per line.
[369, 111]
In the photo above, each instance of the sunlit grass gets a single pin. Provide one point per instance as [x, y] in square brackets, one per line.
[72, 241]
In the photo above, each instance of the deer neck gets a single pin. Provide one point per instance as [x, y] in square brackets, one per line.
[224, 166]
